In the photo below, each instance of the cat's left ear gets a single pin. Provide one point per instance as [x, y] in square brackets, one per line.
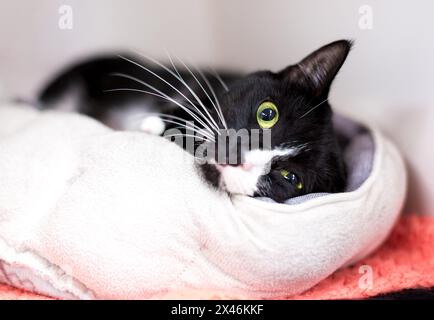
[317, 71]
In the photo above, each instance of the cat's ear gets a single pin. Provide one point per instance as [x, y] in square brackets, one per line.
[317, 70]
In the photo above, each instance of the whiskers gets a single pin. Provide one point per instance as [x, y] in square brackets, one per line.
[136, 121]
[216, 105]
[217, 76]
[206, 125]
[312, 109]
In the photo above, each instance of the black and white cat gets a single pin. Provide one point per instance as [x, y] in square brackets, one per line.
[291, 106]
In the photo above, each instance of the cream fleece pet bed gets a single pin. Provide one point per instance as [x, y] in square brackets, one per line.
[86, 212]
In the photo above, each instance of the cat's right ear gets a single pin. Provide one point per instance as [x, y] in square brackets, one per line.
[317, 71]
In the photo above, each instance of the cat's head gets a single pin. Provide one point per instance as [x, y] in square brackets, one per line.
[291, 107]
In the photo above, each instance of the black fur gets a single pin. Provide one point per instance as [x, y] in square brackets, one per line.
[300, 91]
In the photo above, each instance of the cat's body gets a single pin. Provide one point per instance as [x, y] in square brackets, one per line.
[291, 106]
[86, 88]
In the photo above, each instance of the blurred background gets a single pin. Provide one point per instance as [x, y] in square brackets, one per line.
[387, 79]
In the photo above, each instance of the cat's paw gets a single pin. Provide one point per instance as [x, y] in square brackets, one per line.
[153, 125]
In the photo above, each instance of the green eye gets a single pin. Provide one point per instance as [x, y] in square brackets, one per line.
[267, 115]
[292, 178]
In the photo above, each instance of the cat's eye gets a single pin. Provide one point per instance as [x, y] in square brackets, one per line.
[267, 114]
[292, 178]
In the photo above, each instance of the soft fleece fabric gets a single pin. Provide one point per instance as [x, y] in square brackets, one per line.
[86, 212]
[404, 261]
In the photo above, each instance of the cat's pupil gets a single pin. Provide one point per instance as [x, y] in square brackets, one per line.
[268, 114]
[293, 179]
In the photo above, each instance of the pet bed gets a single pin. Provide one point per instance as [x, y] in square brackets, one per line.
[401, 269]
[87, 212]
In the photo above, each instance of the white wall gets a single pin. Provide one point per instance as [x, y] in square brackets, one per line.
[387, 79]
[32, 45]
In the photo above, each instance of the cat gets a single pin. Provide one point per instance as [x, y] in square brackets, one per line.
[290, 106]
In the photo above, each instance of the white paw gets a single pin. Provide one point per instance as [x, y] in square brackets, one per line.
[152, 125]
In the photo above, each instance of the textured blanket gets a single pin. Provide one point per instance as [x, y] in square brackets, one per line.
[403, 268]
[86, 212]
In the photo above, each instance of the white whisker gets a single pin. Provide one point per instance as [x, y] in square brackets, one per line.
[140, 116]
[181, 79]
[201, 86]
[188, 124]
[137, 90]
[192, 114]
[311, 109]
[183, 126]
[185, 135]
[173, 65]
[218, 108]
[217, 76]
[200, 132]
[212, 123]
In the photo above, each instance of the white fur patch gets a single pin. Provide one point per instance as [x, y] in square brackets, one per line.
[243, 179]
[153, 125]
[135, 118]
